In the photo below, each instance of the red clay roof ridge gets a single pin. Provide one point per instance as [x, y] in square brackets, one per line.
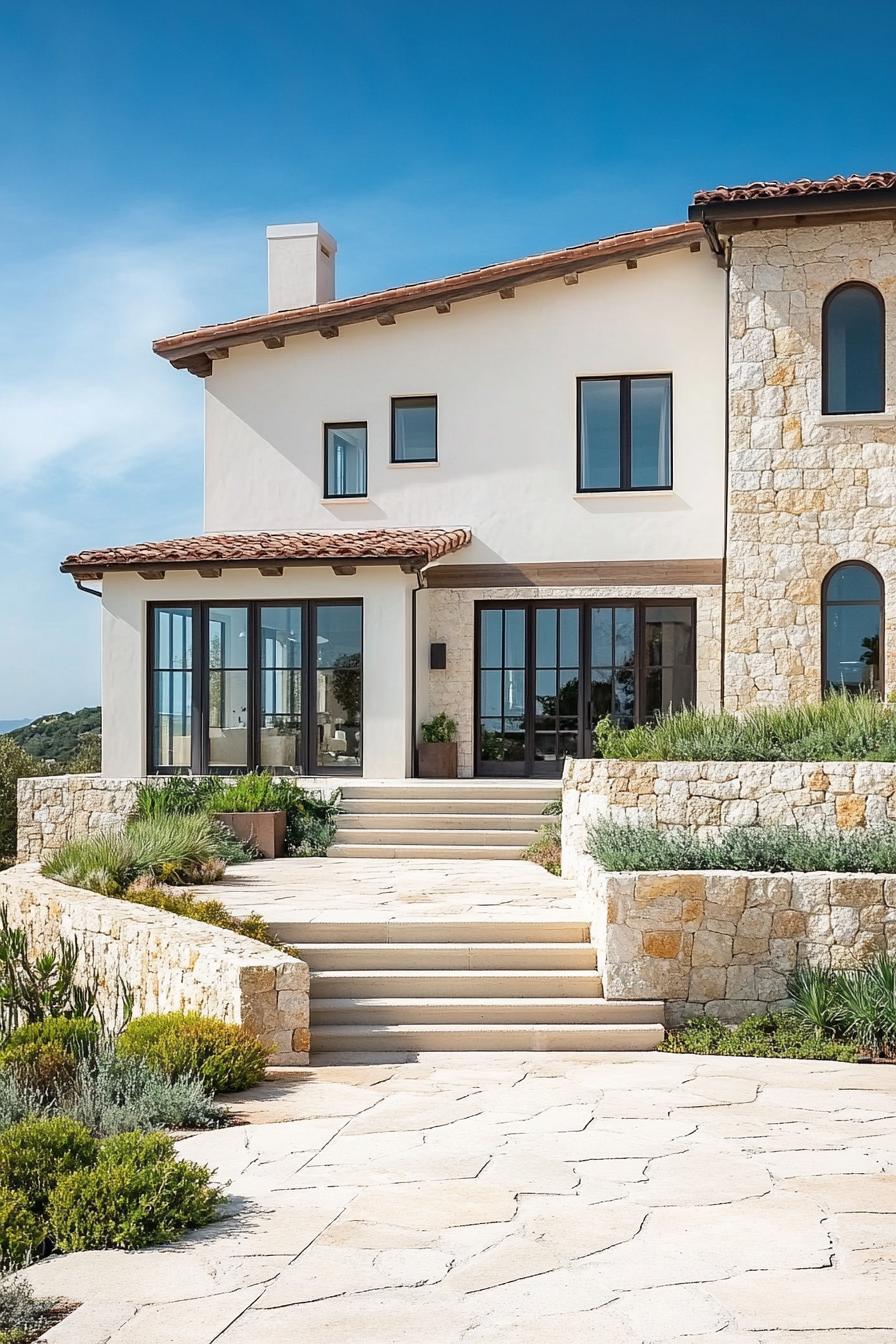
[802, 186]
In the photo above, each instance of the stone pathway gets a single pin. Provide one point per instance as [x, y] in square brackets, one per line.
[327, 889]
[542, 1199]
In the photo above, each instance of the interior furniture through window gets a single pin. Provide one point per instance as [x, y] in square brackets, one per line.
[852, 601]
[547, 671]
[345, 461]
[275, 686]
[852, 340]
[414, 429]
[625, 433]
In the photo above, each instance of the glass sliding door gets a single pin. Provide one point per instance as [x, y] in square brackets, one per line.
[280, 651]
[337, 685]
[669, 658]
[171, 690]
[613, 664]
[557, 713]
[228, 688]
[502, 641]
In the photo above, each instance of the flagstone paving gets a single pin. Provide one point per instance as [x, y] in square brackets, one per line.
[543, 1199]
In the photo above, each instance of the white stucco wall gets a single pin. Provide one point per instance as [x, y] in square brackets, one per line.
[384, 591]
[505, 375]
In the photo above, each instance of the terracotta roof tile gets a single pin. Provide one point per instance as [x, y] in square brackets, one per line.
[365, 545]
[803, 186]
[191, 347]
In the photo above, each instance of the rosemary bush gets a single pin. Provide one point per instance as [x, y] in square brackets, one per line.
[775, 849]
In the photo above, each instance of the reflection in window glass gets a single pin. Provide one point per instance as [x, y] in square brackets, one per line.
[853, 341]
[228, 688]
[853, 603]
[414, 429]
[345, 465]
[651, 432]
[338, 684]
[669, 677]
[280, 653]
[599, 421]
[172, 689]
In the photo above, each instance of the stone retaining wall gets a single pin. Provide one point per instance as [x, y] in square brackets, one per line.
[724, 942]
[55, 808]
[169, 963]
[714, 795]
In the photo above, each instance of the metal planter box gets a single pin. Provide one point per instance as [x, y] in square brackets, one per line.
[437, 760]
[266, 831]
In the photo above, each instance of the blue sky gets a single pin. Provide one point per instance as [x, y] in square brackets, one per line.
[145, 147]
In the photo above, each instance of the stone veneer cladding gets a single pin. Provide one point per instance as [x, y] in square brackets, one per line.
[805, 491]
[170, 964]
[452, 620]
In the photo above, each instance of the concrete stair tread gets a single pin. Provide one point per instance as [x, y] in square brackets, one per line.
[438, 804]
[455, 983]
[459, 956]
[343, 850]
[439, 821]
[502, 1036]
[485, 1011]
[538, 928]
[432, 835]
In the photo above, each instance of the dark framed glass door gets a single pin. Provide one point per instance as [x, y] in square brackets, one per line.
[546, 672]
[244, 686]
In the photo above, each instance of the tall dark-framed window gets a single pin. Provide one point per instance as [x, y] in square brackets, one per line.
[255, 685]
[415, 429]
[852, 609]
[853, 328]
[624, 429]
[345, 460]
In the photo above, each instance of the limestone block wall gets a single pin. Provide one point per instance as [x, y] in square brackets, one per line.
[806, 491]
[725, 942]
[169, 963]
[715, 795]
[55, 808]
[452, 621]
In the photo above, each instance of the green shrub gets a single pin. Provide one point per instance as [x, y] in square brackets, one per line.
[77, 1036]
[119, 1093]
[858, 1005]
[621, 848]
[227, 1058]
[138, 1194]
[46, 1070]
[15, 764]
[174, 849]
[36, 1153]
[773, 1035]
[184, 903]
[812, 991]
[439, 729]
[22, 1232]
[545, 849]
[310, 817]
[35, 986]
[839, 728]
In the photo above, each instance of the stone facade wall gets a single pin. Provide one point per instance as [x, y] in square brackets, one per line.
[724, 942]
[806, 491]
[169, 963]
[714, 795]
[55, 808]
[452, 620]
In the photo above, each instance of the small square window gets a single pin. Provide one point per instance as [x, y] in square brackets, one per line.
[345, 461]
[625, 433]
[414, 429]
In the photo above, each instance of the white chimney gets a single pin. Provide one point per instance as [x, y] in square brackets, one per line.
[301, 266]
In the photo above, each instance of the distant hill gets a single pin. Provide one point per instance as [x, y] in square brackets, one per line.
[7, 725]
[57, 737]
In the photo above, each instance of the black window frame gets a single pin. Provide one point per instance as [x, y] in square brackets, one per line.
[829, 687]
[413, 402]
[625, 381]
[586, 720]
[881, 351]
[346, 424]
[199, 751]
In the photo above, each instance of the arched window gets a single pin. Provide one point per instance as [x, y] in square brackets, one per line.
[852, 347]
[852, 601]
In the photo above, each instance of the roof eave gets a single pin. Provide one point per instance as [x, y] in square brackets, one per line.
[194, 354]
[874, 202]
[97, 570]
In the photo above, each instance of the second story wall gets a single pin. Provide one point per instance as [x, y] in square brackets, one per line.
[504, 372]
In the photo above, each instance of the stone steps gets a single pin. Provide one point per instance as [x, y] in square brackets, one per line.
[577, 1036]
[342, 850]
[448, 956]
[349, 1011]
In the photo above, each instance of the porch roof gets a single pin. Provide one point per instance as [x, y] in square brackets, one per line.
[410, 547]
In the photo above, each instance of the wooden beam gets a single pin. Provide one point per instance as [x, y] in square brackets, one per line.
[572, 278]
[599, 573]
[92, 574]
[329, 332]
[198, 364]
[209, 571]
[631, 264]
[695, 247]
[274, 342]
[386, 319]
[219, 352]
[345, 569]
[409, 566]
[443, 307]
[508, 292]
[151, 573]
[271, 571]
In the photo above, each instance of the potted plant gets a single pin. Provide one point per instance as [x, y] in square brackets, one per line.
[437, 756]
[251, 811]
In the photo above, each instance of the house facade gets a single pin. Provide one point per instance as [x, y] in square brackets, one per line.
[651, 471]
